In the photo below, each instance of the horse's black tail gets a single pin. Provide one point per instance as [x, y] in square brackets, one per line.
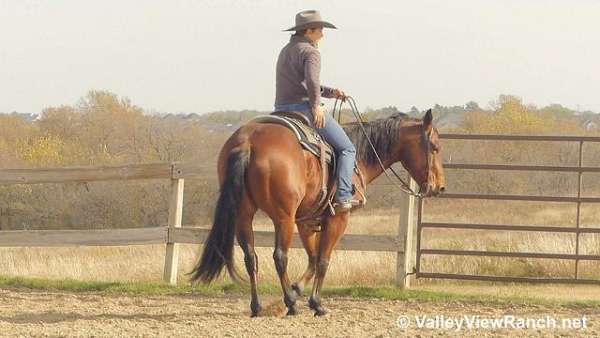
[218, 248]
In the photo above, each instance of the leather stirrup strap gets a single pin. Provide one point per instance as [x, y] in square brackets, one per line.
[323, 172]
[363, 186]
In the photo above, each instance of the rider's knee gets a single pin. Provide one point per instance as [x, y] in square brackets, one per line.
[349, 150]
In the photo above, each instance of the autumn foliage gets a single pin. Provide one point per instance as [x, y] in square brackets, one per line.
[105, 129]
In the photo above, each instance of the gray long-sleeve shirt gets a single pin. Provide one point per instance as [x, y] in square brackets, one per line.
[297, 76]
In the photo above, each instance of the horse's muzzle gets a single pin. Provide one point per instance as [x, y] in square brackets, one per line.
[428, 190]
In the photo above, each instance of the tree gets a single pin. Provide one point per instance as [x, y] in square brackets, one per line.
[558, 110]
[63, 121]
[414, 111]
[472, 106]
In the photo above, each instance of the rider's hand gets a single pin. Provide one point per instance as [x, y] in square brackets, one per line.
[319, 116]
[339, 94]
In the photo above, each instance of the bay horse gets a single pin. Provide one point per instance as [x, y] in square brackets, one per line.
[263, 166]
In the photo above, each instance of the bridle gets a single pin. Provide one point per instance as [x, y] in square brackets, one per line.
[426, 139]
[401, 183]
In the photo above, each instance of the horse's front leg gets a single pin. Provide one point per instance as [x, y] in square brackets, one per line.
[330, 234]
[310, 240]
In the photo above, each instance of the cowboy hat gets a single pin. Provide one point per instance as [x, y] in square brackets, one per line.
[309, 19]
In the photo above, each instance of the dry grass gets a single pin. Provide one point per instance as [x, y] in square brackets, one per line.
[548, 292]
[145, 263]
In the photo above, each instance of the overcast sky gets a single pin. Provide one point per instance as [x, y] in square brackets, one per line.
[200, 56]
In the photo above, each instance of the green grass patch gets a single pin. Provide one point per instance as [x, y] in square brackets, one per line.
[224, 289]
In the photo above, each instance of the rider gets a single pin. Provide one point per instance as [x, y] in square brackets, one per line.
[298, 89]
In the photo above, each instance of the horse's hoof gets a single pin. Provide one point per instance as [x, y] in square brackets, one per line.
[292, 311]
[316, 306]
[255, 310]
[319, 311]
[297, 289]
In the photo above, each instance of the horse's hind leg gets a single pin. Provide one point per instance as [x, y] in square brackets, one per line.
[310, 240]
[245, 237]
[284, 228]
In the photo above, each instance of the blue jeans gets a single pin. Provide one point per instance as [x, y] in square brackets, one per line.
[335, 135]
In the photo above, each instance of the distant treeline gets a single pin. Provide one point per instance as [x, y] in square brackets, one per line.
[105, 129]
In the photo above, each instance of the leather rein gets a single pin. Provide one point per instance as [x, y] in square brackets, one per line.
[401, 183]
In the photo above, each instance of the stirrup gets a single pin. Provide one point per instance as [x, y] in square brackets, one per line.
[346, 205]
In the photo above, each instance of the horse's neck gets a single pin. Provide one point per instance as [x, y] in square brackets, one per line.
[373, 171]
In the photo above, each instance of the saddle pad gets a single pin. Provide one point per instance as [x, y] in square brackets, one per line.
[307, 136]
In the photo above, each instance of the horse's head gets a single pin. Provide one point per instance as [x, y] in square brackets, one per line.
[422, 157]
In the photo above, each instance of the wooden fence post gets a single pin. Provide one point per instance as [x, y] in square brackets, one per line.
[175, 215]
[405, 260]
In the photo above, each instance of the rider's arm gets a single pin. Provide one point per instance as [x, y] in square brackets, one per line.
[327, 92]
[312, 69]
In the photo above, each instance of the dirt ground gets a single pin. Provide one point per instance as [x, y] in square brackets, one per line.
[47, 314]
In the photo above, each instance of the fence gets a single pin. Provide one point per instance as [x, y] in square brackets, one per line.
[172, 233]
[577, 230]
[406, 245]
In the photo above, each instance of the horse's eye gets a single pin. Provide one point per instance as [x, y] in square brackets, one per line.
[435, 148]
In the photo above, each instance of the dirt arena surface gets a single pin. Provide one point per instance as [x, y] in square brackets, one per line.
[25, 313]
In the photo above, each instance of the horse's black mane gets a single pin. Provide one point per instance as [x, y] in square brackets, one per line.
[384, 133]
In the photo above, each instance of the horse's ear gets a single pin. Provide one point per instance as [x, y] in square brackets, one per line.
[428, 120]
